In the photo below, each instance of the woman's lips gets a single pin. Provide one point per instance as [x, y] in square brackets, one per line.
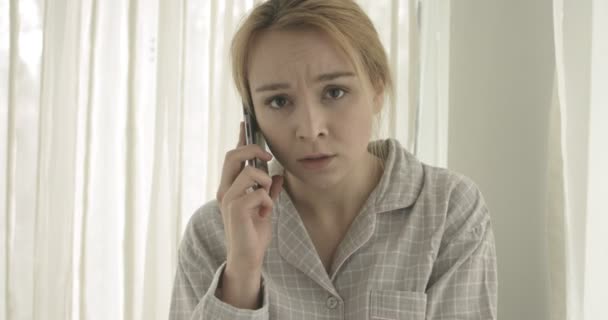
[316, 164]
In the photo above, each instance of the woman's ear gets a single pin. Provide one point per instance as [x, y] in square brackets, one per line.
[378, 100]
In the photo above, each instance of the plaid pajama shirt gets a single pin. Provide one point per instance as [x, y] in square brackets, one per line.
[421, 247]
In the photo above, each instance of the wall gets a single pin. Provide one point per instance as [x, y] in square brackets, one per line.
[501, 79]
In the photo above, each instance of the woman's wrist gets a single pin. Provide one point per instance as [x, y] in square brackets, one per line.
[240, 289]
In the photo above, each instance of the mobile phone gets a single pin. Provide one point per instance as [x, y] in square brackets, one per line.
[253, 134]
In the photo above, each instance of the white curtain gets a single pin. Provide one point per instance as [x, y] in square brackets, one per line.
[115, 116]
[577, 218]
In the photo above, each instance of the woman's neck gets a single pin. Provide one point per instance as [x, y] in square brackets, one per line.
[338, 203]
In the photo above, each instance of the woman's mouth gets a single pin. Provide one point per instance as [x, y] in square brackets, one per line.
[316, 162]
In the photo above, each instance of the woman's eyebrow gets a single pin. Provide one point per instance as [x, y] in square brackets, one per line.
[334, 75]
[320, 78]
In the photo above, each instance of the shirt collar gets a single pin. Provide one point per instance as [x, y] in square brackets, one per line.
[401, 181]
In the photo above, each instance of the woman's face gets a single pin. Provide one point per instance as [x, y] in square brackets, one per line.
[307, 100]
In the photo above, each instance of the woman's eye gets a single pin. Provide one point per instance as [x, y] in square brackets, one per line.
[335, 93]
[277, 102]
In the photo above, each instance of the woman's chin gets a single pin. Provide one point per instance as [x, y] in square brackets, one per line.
[317, 181]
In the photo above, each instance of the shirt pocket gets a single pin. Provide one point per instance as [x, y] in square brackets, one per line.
[385, 304]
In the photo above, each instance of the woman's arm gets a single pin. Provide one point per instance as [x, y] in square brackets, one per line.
[463, 283]
[196, 290]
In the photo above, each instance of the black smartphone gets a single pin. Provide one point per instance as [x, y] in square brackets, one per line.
[253, 134]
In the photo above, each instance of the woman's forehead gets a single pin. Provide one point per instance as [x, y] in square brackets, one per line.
[283, 54]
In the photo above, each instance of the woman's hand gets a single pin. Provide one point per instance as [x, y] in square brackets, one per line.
[246, 215]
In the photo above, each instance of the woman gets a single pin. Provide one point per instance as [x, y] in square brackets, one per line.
[348, 228]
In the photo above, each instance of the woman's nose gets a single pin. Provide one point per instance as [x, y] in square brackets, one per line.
[310, 121]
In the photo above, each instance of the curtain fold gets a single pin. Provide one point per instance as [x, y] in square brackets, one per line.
[54, 190]
[556, 223]
[597, 219]
[163, 232]
[432, 116]
[578, 161]
[565, 300]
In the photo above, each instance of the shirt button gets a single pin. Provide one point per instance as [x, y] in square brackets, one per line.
[331, 302]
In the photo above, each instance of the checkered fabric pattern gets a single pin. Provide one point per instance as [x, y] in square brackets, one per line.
[422, 247]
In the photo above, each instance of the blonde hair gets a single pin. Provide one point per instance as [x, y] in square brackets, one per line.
[342, 20]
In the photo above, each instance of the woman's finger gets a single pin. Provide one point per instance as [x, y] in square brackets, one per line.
[258, 201]
[234, 164]
[249, 177]
[221, 190]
